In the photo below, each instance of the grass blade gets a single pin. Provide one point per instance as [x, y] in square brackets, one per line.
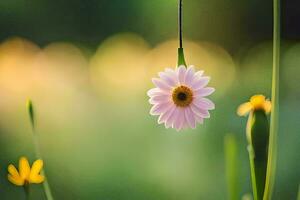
[38, 155]
[270, 179]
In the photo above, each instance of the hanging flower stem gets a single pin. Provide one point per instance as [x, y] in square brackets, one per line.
[181, 60]
[37, 149]
[270, 179]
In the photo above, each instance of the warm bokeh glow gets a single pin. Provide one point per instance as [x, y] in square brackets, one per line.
[87, 67]
[118, 67]
[214, 60]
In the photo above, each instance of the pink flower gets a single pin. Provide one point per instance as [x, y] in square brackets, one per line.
[179, 97]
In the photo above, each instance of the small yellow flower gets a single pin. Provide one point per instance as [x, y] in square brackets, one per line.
[257, 102]
[26, 175]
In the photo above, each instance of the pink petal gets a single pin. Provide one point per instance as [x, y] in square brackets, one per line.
[204, 91]
[189, 75]
[199, 119]
[204, 103]
[172, 73]
[156, 92]
[168, 122]
[178, 123]
[189, 116]
[160, 99]
[185, 125]
[197, 84]
[181, 73]
[198, 75]
[173, 117]
[199, 111]
[153, 91]
[163, 118]
[161, 84]
[157, 109]
[169, 79]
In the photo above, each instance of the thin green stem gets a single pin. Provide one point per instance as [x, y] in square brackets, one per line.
[180, 23]
[181, 60]
[38, 155]
[252, 168]
[27, 191]
[275, 103]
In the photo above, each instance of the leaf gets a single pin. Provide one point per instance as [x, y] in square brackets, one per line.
[271, 168]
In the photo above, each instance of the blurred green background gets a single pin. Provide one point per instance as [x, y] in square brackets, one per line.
[87, 66]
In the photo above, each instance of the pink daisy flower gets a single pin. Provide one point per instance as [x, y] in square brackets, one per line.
[180, 97]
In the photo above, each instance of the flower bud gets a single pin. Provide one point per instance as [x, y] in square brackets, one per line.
[258, 139]
[257, 132]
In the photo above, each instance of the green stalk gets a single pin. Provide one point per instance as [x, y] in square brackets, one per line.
[270, 179]
[252, 171]
[231, 150]
[37, 149]
[181, 60]
[27, 191]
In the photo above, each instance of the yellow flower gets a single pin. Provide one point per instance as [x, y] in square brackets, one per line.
[26, 175]
[257, 102]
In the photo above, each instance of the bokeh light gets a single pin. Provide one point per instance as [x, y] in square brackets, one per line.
[118, 67]
[211, 58]
[87, 66]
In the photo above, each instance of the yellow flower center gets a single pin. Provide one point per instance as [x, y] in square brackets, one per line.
[182, 96]
[258, 102]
